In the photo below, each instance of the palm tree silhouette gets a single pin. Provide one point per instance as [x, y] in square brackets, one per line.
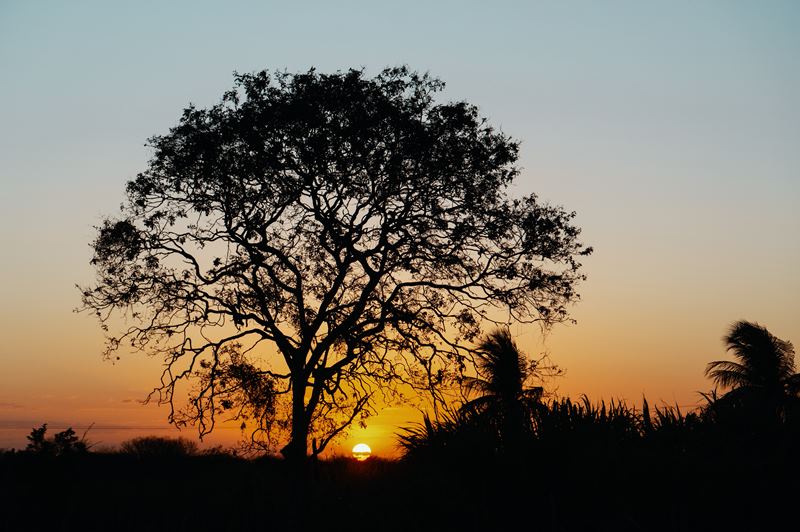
[503, 371]
[762, 380]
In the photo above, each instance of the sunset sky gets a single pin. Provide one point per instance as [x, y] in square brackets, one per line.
[672, 128]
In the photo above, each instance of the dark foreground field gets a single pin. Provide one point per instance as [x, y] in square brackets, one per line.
[740, 486]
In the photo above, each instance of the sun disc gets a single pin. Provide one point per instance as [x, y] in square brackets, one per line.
[361, 452]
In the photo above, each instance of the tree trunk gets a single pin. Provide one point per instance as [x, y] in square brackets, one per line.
[296, 454]
[297, 448]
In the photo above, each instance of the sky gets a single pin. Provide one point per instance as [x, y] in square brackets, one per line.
[671, 128]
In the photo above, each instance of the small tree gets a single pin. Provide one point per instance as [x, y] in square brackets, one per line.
[38, 442]
[353, 224]
[762, 381]
[502, 386]
[63, 443]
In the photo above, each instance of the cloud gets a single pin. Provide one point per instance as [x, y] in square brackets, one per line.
[10, 405]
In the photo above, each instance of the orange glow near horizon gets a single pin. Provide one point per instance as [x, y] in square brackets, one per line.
[78, 388]
[72, 386]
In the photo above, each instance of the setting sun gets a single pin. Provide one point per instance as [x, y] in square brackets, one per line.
[361, 452]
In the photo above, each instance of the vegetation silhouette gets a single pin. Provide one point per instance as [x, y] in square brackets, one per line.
[159, 447]
[503, 371]
[456, 435]
[588, 452]
[353, 224]
[499, 418]
[763, 386]
[581, 465]
[63, 443]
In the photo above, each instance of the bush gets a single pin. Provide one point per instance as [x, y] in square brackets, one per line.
[159, 447]
[63, 443]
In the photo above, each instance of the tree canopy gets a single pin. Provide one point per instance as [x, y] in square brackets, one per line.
[502, 386]
[762, 380]
[315, 240]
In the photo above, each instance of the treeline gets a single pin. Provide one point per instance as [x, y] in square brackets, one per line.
[67, 443]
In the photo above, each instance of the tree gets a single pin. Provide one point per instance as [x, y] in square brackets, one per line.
[353, 224]
[503, 372]
[63, 443]
[763, 379]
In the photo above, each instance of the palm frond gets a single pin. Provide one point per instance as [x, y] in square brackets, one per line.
[764, 362]
[728, 374]
[475, 385]
[755, 346]
[479, 404]
[502, 365]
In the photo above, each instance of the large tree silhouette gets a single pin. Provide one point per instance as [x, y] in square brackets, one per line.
[313, 241]
[762, 379]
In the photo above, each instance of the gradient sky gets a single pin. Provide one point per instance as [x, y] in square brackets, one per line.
[672, 128]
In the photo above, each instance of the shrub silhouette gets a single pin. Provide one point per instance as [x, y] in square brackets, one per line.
[560, 424]
[63, 443]
[456, 435]
[616, 420]
[159, 447]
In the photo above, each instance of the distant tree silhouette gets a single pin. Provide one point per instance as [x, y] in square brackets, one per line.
[38, 442]
[159, 447]
[63, 443]
[762, 379]
[354, 225]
